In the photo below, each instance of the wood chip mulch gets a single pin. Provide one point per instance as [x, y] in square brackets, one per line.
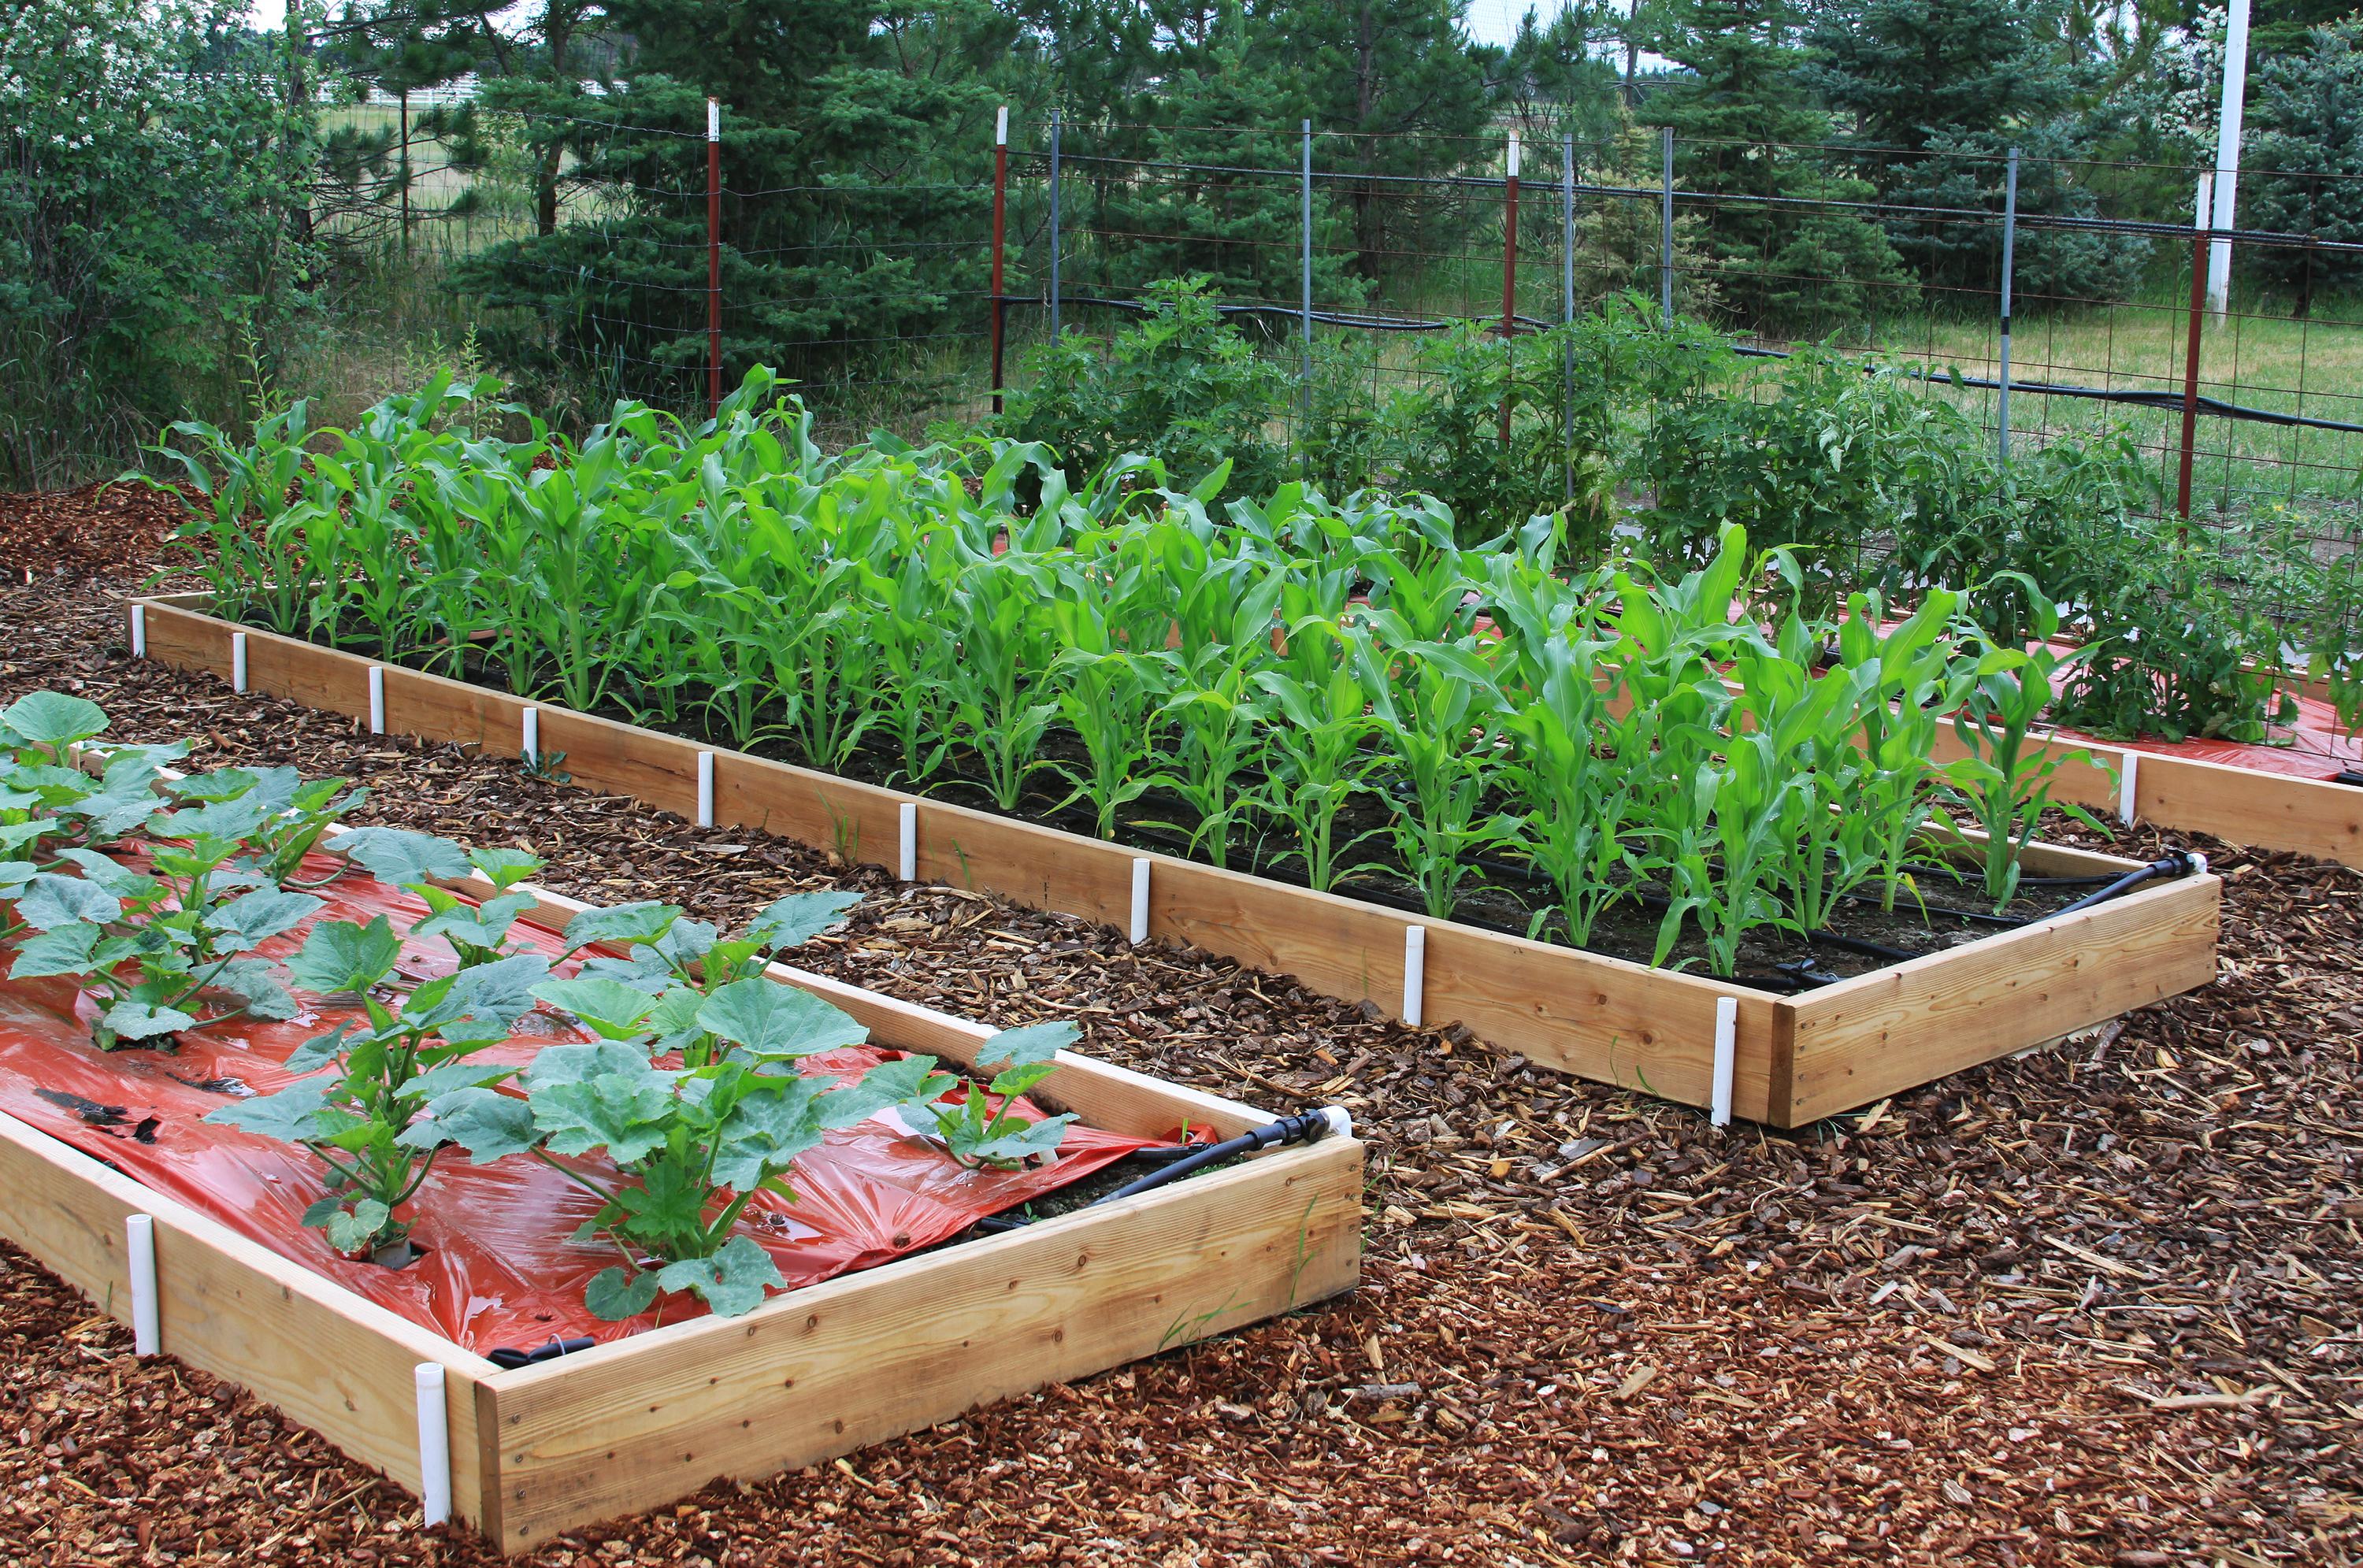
[101, 530]
[2096, 1305]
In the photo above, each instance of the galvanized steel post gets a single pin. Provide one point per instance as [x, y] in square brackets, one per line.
[1510, 289]
[1054, 223]
[1666, 229]
[1306, 372]
[712, 257]
[1567, 305]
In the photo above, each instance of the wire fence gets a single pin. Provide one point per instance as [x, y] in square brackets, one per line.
[2049, 300]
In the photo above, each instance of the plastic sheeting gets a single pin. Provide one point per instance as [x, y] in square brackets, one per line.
[501, 1268]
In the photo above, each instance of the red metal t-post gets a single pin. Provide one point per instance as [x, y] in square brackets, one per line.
[712, 257]
[1000, 203]
[2190, 349]
[1510, 290]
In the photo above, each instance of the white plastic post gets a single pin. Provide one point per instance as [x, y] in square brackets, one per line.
[139, 1252]
[377, 699]
[2126, 776]
[238, 661]
[434, 1444]
[907, 817]
[2228, 155]
[1513, 155]
[1001, 128]
[704, 789]
[1727, 1059]
[1139, 901]
[529, 746]
[139, 631]
[1414, 973]
[714, 119]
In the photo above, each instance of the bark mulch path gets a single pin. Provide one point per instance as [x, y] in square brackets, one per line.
[2095, 1305]
[101, 530]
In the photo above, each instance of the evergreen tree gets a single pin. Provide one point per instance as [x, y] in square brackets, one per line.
[1747, 128]
[1937, 93]
[2305, 157]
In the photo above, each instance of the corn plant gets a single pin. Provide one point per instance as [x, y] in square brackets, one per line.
[1437, 712]
[994, 689]
[2005, 779]
[1314, 762]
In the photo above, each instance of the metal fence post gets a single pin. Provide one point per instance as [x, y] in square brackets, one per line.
[1567, 305]
[1666, 229]
[1000, 200]
[1306, 371]
[2009, 263]
[1510, 289]
[712, 257]
[2199, 235]
[1054, 224]
[406, 173]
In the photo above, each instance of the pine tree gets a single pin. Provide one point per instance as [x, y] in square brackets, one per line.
[1937, 93]
[2305, 155]
[1746, 129]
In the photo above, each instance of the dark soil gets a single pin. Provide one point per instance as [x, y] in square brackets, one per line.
[2094, 1305]
[1936, 912]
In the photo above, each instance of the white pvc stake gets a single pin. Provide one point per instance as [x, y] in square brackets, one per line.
[139, 1250]
[434, 1444]
[1414, 973]
[714, 119]
[1001, 128]
[1727, 1059]
[1513, 155]
[530, 746]
[139, 631]
[1139, 901]
[2126, 776]
[238, 661]
[377, 699]
[704, 789]
[907, 818]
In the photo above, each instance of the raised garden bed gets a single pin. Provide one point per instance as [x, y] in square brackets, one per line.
[1782, 1059]
[461, 1400]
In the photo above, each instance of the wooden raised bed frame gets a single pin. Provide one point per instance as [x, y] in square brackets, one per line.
[812, 1374]
[1793, 1059]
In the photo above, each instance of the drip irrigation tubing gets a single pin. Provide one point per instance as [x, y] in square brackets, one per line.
[2173, 863]
[1309, 1127]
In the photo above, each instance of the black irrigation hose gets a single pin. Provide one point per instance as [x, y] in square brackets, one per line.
[1308, 1127]
[510, 1360]
[2173, 863]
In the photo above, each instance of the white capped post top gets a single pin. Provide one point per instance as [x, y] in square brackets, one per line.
[714, 119]
[1513, 155]
[1001, 128]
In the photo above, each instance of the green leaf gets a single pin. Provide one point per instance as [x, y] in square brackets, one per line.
[350, 1230]
[488, 1124]
[50, 901]
[798, 918]
[53, 718]
[504, 868]
[471, 926]
[910, 1080]
[732, 1281]
[129, 1019]
[255, 982]
[108, 872]
[1027, 1043]
[766, 1131]
[292, 1116]
[612, 1007]
[620, 925]
[666, 1209]
[399, 856]
[624, 1113]
[778, 1022]
[578, 1060]
[322, 1049]
[500, 990]
[341, 956]
[462, 1071]
[613, 1296]
[63, 949]
[1038, 1140]
[263, 914]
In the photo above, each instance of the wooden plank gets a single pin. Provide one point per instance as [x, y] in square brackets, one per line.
[1596, 1017]
[331, 1360]
[1882, 1034]
[2240, 805]
[868, 1357]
